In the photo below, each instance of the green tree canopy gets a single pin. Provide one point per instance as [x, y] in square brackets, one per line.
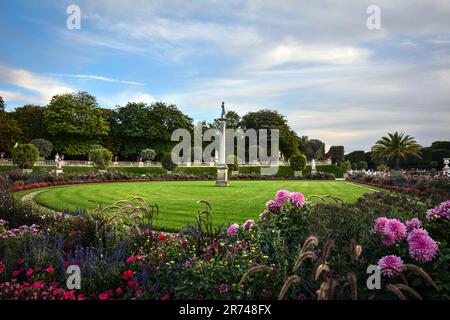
[395, 146]
[74, 122]
[10, 132]
[45, 147]
[25, 155]
[232, 118]
[336, 153]
[31, 121]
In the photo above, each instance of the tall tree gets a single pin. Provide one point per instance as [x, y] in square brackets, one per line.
[315, 149]
[269, 119]
[232, 118]
[74, 122]
[31, 121]
[395, 146]
[336, 153]
[10, 132]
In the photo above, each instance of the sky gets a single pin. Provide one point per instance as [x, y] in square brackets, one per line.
[316, 62]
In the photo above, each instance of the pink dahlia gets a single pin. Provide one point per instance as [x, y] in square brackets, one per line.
[396, 228]
[441, 212]
[297, 199]
[380, 224]
[413, 224]
[274, 206]
[233, 229]
[249, 224]
[282, 196]
[421, 246]
[390, 266]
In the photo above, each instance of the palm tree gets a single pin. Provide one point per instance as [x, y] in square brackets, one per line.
[395, 146]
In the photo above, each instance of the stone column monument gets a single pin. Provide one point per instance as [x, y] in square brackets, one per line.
[222, 168]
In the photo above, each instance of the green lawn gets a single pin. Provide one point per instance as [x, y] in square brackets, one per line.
[178, 200]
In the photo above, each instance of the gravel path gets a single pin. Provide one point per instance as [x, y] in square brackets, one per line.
[29, 198]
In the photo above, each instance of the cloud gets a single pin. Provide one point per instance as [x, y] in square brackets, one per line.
[99, 78]
[42, 88]
[122, 98]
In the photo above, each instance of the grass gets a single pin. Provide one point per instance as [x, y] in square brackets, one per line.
[178, 200]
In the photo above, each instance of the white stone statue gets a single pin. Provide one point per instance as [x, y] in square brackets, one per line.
[313, 165]
[58, 162]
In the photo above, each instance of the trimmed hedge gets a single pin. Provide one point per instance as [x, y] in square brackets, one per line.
[197, 171]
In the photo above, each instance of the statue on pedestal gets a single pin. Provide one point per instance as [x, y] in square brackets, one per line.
[313, 166]
[222, 168]
[58, 162]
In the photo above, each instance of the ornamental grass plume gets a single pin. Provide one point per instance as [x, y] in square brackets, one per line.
[421, 246]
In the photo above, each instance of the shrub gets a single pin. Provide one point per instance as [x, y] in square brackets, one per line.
[25, 155]
[234, 165]
[167, 163]
[362, 165]
[101, 157]
[383, 167]
[298, 162]
[148, 154]
[45, 147]
[345, 166]
[354, 166]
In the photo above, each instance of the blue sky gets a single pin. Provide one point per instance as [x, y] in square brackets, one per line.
[314, 61]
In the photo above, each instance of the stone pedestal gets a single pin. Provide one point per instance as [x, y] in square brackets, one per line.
[222, 176]
[59, 171]
[298, 173]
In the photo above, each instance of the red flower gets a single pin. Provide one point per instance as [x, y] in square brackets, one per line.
[165, 297]
[103, 296]
[29, 272]
[81, 297]
[20, 261]
[49, 269]
[2, 267]
[15, 273]
[127, 274]
[130, 284]
[119, 291]
[72, 232]
[162, 238]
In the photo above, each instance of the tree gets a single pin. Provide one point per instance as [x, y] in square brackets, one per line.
[101, 157]
[395, 146]
[45, 147]
[148, 154]
[140, 126]
[269, 119]
[315, 149]
[31, 121]
[362, 165]
[25, 155]
[298, 161]
[336, 153]
[74, 122]
[355, 156]
[232, 118]
[10, 132]
[167, 163]
[346, 165]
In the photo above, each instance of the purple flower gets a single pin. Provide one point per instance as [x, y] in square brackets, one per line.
[248, 224]
[441, 212]
[413, 224]
[274, 206]
[297, 199]
[233, 229]
[223, 288]
[390, 266]
[421, 246]
[392, 230]
[282, 196]
[263, 215]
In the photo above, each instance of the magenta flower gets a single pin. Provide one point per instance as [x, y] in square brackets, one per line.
[421, 246]
[233, 229]
[413, 224]
[282, 196]
[396, 228]
[274, 206]
[249, 224]
[390, 266]
[223, 288]
[380, 224]
[297, 199]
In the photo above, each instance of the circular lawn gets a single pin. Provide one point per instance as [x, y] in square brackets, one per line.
[177, 200]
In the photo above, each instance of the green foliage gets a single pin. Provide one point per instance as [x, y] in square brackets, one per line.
[101, 157]
[440, 145]
[396, 146]
[31, 121]
[298, 161]
[336, 153]
[232, 163]
[362, 165]
[167, 163]
[232, 118]
[45, 147]
[74, 122]
[345, 165]
[148, 154]
[315, 149]
[355, 156]
[438, 155]
[354, 166]
[25, 156]
[383, 167]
